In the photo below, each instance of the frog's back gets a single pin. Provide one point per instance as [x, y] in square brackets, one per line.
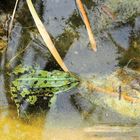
[33, 87]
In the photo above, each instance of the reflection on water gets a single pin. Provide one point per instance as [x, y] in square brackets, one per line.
[70, 37]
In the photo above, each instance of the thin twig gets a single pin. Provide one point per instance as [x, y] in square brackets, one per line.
[87, 24]
[12, 19]
[17, 55]
[93, 87]
[108, 12]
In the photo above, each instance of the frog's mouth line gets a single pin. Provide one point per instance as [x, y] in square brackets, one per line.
[48, 79]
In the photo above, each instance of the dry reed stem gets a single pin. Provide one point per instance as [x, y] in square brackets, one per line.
[87, 24]
[46, 36]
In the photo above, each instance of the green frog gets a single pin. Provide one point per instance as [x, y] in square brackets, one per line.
[30, 84]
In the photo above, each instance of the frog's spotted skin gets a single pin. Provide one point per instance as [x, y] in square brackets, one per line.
[32, 84]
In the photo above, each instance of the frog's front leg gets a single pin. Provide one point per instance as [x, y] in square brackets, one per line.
[52, 101]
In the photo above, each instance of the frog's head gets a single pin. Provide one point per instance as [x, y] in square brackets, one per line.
[62, 81]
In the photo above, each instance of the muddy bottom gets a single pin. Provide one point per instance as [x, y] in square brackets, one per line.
[37, 129]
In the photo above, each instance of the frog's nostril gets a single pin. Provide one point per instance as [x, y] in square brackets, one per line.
[35, 82]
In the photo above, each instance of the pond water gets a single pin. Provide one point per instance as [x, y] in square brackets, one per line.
[117, 44]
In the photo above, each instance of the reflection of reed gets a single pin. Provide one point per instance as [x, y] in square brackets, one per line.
[87, 24]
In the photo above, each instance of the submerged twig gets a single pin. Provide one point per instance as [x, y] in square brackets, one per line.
[106, 129]
[12, 18]
[131, 71]
[93, 87]
[108, 12]
[87, 24]
[120, 92]
[45, 36]
[17, 55]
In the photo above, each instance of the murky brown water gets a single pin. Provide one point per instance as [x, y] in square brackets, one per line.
[64, 122]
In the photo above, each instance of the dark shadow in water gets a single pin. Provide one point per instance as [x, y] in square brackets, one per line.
[6, 5]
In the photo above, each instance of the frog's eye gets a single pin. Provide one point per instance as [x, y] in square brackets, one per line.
[39, 74]
[35, 82]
